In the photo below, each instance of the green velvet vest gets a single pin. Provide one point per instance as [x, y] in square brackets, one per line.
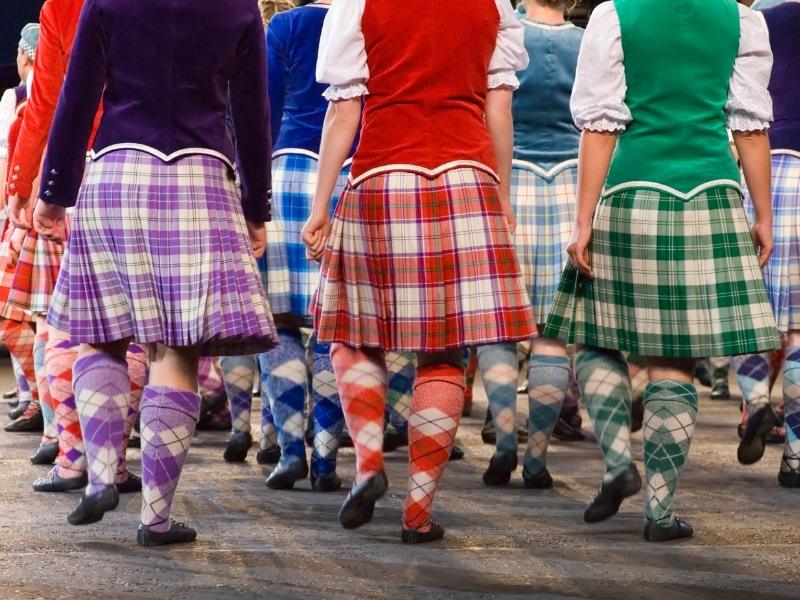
[679, 57]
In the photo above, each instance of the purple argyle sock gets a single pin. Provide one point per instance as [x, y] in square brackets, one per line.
[168, 420]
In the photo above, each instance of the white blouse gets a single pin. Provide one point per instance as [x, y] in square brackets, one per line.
[598, 96]
[342, 61]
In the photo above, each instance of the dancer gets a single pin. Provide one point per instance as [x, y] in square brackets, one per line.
[755, 373]
[162, 243]
[662, 262]
[419, 256]
[544, 181]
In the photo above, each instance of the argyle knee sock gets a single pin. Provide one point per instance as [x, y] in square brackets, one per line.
[637, 371]
[18, 338]
[753, 376]
[436, 405]
[102, 387]
[720, 366]
[401, 369]
[328, 415]
[60, 356]
[137, 360]
[548, 378]
[606, 392]
[286, 387]
[209, 376]
[791, 407]
[268, 437]
[50, 433]
[168, 418]
[670, 411]
[239, 373]
[361, 377]
[499, 371]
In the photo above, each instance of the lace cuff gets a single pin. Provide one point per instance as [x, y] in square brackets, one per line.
[749, 109]
[742, 121]
[503, 79]
[603, 124]
[345, 92]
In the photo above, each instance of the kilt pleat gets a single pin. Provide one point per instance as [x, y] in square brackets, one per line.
[421, 264]
[544, 207]
[159, 252]
[673, 278]
[7, 272]
[35, 274]
[782, 273]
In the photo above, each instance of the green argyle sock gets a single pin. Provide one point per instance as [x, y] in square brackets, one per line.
[670, 411]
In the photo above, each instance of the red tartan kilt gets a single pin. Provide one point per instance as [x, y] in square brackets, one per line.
[7, 270]
[35, 274]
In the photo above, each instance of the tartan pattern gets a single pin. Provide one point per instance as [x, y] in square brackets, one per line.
[7, 271]
[35, 274]
[545, 212]
[673, 278]
[289, 277]
[421, 264]
[159, 252]
[782, 273]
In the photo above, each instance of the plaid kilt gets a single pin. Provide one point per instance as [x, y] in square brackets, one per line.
[36, 273]
[421, 264]
[673, 278]
[544, 207]
[782, 273]
[159, 252]
[289, 277]
[7, 271]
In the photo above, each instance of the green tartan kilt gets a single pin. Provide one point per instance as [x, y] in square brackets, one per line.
[673, 278]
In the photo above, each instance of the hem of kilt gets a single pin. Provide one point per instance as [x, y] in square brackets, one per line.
[339, 339]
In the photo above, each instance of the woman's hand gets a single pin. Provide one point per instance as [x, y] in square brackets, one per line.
[762, 237]
[578, 249]
[50, 221]
[315, 234]
[19, 212]
[15, 245]
[258, 237]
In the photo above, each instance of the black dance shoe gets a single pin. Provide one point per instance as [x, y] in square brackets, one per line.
[789, 476]
[45, 454]
[703, 373]
[677, 531]
[283, 477]
[17, 410]
[178, 533]
[539, 481]
[501, 466]
[393, 439]
[325, 483]
[135, 441]
[721, 390]
[456, 453]
[10, 394]
[637, 414]
[608, 500]
[92, 508]
[268, 456]
[565, 432]
[30, 420]
[359, 505]
[415, 536]
[238, 445]
[131, 485]
[754, 438]
[53, 483]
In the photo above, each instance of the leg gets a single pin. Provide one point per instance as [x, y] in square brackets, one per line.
[637, 369]
[789, 474]
[136, 359]
[471, 371]
[328, 419]
[402, 370]
[170, 410]
[753, 373]
[436, 406]
[499, 371]
[18, 338]
[239, 373]
[48, 449]
[269, 452]
[287, 387]
[670, 405]
[606, 390]
[720, 366]
[548, 379]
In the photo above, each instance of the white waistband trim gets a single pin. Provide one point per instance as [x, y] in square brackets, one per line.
[429, 173]
[671, 190]
[794, 153]
[160, 155]
[303, 151]
[545, 173]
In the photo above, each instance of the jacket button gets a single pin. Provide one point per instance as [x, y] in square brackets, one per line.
[50, 182]
[48, 193]
[53, 172]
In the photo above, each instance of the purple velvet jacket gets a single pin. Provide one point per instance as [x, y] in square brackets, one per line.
[165, 70]
[783, 22]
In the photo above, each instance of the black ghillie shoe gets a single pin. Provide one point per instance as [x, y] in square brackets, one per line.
[178, 533]
[45, 454]
[131, 485]
[608, 500]
[53, 483]
[539, 481]
[283, 477]
[415, 536]
[789, 476]
[678, 530]
[754, 438]
[456, 453]
[501, 466]
[92, 508]
[721, 390]
[30, 420]
[325, 483]
[637, 414]
[359, 505]
[268, 456]
[238, 445]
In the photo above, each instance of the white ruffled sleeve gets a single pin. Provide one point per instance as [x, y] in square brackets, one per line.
[8, 106]
[510, 54]
[342, 60]
[749, 106]
[598, 96]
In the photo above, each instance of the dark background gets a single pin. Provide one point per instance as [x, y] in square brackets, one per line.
[13, 15]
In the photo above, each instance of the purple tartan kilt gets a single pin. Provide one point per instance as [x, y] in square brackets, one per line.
[159, 252]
